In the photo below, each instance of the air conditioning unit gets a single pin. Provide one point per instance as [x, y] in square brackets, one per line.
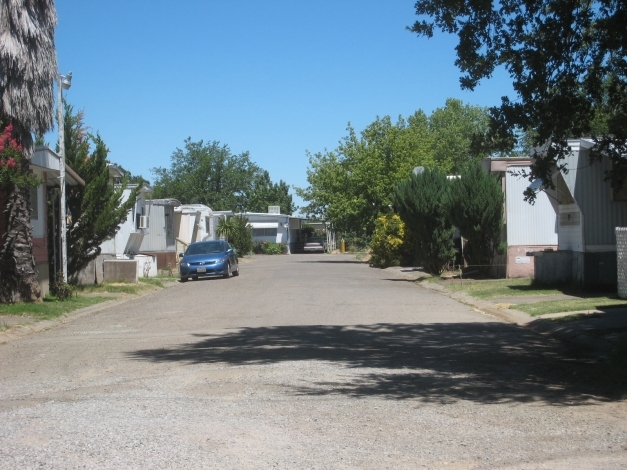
[274, 209]
[143, 221]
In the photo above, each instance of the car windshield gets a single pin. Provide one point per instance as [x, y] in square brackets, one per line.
[315, 240]
[205, 248]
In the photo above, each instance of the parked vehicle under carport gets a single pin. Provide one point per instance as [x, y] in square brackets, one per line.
[315, 245]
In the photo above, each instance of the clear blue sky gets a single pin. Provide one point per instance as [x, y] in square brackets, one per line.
[274, 77]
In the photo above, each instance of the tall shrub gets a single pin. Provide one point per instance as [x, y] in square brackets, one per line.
[242, 237]
[477, 211]
[391, 244]
[423, 201]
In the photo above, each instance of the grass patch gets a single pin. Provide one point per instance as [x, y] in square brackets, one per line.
[558, 306]
[49, 308]
[144, 284]
[487, 289]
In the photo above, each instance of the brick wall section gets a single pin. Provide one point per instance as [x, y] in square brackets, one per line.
[621, 260]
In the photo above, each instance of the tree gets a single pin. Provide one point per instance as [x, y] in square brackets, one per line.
[423, 203]
[264, 193]
[567, 62]
[476, 209]
[210, 174]
[97, 210]
[352, 185]
[226, 228]
[28, 66]
[131, 178]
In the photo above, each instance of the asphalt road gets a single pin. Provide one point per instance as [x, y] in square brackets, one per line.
[303, 361]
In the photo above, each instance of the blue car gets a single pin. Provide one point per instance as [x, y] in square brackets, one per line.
[211, 258]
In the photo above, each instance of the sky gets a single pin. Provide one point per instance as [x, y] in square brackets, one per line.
[276, 78]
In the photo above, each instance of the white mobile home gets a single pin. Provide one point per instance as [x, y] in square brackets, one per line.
[270, 227]
[589, 211]
[528, 228]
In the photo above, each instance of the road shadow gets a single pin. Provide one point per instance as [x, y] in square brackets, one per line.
[482, 362]
[334, 262]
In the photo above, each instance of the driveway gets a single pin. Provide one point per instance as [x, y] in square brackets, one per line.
[303, 361]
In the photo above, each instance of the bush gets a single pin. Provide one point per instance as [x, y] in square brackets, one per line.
[269, 248]
[237, 232]
[61, 289]
[391, 244]
[423, 203]
[476, 209]
[355, 242]
[242, 237]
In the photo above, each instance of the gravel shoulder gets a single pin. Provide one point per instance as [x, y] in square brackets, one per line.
[303, 361]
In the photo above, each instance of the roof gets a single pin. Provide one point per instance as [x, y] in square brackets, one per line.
[187, 208]
[164, 202]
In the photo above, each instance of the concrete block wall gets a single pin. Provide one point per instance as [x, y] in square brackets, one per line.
[120, 270]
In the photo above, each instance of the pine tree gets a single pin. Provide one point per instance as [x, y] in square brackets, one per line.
[477, 211]
[97, 210]
[423, 203]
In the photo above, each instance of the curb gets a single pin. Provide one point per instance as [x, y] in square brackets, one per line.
[19, 331]
[539, 325]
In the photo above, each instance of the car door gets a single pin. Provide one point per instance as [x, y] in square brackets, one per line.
[231, 252]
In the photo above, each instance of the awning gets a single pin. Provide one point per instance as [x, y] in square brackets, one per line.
[264, 224]
[48, 161]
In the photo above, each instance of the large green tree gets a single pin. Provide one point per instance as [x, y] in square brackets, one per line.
[209, 174]
[28, 67]
[566, 59]
[98, 209]
[352, 185]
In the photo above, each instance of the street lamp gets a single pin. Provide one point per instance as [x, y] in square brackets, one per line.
[64, 82]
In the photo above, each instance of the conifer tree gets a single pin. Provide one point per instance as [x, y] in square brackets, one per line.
[477, 211]
[97, 210]
[423, 203]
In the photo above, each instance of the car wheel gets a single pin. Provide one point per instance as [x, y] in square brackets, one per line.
[183, 279]
[236, 272]
[227, 272]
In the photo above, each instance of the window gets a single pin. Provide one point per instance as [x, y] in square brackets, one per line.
[264, 232]
[34, 203]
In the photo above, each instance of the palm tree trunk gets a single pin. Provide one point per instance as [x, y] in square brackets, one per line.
[18, 275]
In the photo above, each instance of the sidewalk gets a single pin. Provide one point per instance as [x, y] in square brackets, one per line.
[595, 330]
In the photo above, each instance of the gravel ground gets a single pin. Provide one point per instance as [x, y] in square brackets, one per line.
[304, 361]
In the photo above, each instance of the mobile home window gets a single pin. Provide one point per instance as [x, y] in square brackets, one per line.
[264, 232]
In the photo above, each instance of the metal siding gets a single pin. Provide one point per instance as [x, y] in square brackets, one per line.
[528, 224]
[594, 196]
[155, 240]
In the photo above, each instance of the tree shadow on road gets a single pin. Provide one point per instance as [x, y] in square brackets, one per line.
[481, 362]
[347, 261]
